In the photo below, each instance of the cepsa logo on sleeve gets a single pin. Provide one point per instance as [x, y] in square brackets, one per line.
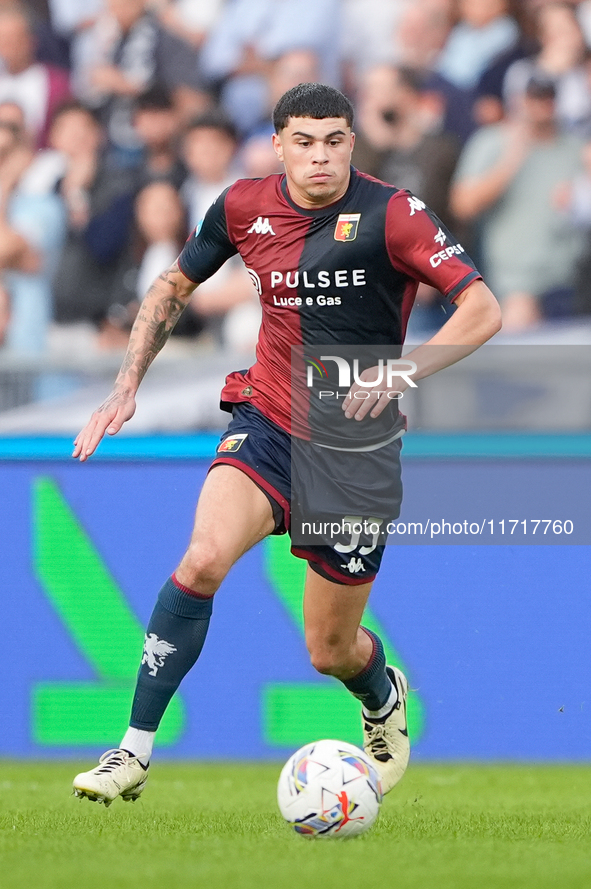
[444, 255]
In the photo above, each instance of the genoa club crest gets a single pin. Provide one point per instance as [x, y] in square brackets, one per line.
[232, 443]
[346, 227]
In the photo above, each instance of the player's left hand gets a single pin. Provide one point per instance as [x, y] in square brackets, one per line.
[379, 395]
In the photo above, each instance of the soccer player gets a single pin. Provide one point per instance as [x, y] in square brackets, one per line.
[336, 257]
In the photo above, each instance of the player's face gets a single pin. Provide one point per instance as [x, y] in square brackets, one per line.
[317, 159]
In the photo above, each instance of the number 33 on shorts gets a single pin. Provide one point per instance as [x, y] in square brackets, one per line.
[357, 526]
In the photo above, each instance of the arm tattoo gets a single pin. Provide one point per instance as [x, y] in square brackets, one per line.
[159, 312]
[168, 275]
[115, 398]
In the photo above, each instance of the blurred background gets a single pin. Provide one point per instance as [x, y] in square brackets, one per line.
[120, 122]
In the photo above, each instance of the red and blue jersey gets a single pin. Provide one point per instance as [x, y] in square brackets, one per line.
[345, 274]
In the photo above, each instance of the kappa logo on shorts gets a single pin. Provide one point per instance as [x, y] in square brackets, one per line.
[346, 227]
[232, 443]
[354, 565]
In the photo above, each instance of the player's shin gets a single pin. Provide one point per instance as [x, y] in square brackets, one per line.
[372, 686]
[174, 640]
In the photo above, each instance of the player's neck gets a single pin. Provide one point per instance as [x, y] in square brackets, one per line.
[315, 202]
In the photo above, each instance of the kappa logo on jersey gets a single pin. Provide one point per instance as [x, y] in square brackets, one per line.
[261, 227]
[346, 227]
[440, 237]
[232, 443]
[415, 204]
[354, 565]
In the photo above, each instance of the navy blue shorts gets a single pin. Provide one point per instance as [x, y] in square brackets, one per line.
[335, 504]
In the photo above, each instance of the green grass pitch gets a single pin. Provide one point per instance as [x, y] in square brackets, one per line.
[217, 827]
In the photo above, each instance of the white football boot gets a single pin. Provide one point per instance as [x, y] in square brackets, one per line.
[117, 774]
[385, 740]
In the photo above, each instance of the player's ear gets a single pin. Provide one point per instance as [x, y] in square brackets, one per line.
[352, 141]
[278, 147]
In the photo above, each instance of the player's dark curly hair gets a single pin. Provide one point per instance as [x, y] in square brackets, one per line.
[315, 100]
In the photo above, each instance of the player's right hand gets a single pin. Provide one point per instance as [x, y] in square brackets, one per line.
[109, 417]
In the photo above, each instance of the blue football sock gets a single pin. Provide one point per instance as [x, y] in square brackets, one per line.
[372, 686]
[174, 639]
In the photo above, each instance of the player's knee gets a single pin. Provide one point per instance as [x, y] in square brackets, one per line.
[329, 658]
[205, 567]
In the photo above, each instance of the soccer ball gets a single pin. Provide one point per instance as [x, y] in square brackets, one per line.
[329, 789]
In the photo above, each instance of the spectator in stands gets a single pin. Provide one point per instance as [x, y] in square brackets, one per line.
[210, 153]
[73, 21]
[50, 46]
[251, 33]
[584, 17]
[484, 31]
[121, 64]
[506, 181]
[36, 87]
[419, 39]
[574, 198]
[373, 130]
[161, 221]
[488, 105]
[31, 233]
[287, 70]
[160, 232]
[4, 312]
[368, 30]
[189, 19]
[156, 121]
[129, 53]
[561, 58]
[178, 70]
[400, 140]
[228, 305]
[421, 33]
[411, 151]
[99, 201]
[258, 158]
[209, 150]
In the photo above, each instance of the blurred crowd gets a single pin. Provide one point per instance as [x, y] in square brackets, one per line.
[122, 120]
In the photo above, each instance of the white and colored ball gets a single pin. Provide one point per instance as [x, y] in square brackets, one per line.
[329, 789]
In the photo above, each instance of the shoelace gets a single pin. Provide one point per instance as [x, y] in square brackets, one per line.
[376, 740]
[112, 759]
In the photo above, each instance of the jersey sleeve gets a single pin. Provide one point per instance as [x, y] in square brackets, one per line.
[209, 245]
[420, 246]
